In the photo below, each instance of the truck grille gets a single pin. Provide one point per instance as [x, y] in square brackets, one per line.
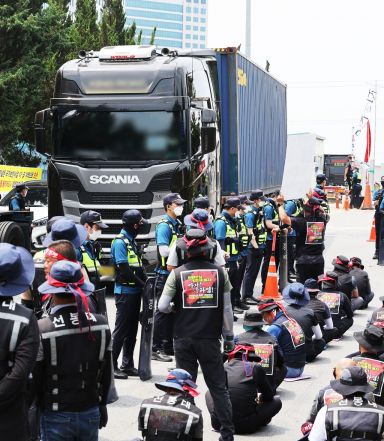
[144, 198]
[111, 213]
[115, 229]
[161, 182]
[69, 182]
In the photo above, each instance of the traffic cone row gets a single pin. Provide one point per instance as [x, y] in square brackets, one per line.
[367, 201]
[372, 236]
[337, 199]
[346, 202]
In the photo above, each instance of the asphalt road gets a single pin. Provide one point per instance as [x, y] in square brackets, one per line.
[347, 234]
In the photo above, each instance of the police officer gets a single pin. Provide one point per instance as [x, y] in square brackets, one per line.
[175, 406]
[244, 238]
[19, 341]
[310, 230]
[271, 220]
[326, 395]
[362, 281]
[90, 251]
[18, 202]
[296, 296]
[199, 218]
[73, 369]
[252, 397]
[257, 236]
[200, 292]
[346, 282]
[227, 234]
[356, 188]
[371, 346]
[255, 335]
[337, 302]
[167, 231]
[352, 418]
[293, 207]
[377, 198]
[288, 334]
[348, 172]
[129, 282]
[321, 311]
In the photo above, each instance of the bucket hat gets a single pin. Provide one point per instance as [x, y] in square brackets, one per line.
[66, 229]
[372, 338]
[295, 294]
[199, 218]
[253, 318]
[180, 380]
[352, 380]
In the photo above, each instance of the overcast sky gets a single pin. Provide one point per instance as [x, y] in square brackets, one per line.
[328, 52]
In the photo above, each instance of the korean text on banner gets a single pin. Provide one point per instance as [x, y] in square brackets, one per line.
[11, 175]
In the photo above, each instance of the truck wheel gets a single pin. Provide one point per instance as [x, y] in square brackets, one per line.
[11, 232]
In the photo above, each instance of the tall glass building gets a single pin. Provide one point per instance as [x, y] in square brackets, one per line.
[179, 23]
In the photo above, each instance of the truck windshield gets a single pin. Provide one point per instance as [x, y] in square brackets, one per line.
[121, 136]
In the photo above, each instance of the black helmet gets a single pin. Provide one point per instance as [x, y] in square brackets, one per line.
[320, 178]
[131, 217]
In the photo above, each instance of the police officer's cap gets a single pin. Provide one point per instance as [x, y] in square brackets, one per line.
[92, 217]
[201, 202]
[232, 203]
[171, 198]
[353, 379]
[321, 177]
[131, 217]
[21, 187]
[244, 200]
[257, 195]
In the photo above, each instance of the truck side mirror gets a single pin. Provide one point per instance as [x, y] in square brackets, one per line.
[41, 119]
[208, 139]
[208, 116]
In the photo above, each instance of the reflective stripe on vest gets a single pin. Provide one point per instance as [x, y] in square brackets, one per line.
[243, 235]
[91, 265]
[232, 247]
[162, 261]
[133, 259]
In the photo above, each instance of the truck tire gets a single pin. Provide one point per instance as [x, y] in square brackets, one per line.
[12, 233]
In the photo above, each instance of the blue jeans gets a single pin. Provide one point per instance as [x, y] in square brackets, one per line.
[294, 372]
[70, 426]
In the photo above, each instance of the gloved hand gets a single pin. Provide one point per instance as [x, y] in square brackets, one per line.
[103, 416]
[229, 343]
[306, 428]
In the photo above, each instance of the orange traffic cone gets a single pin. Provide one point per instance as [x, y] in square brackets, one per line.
[337, 199]
[346, 202]
[367, 201]
[372, 236]
[271, 288]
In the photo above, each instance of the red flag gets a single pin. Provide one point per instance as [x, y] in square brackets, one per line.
[369, 139]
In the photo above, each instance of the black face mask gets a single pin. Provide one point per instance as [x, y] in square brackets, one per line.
[382, 184]
[131, 230]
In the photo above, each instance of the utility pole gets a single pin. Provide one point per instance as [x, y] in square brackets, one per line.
[248, 32]
[374, 138]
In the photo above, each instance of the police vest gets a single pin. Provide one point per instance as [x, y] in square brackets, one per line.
[291, 341]
[206, 251]
[275, 219]
[299, 208]
[91, 265]
[199, 300]
[231, 237]
[243, 235]
[379, 199]
[20, 201]
[14, 319]
[74, 359]
[133, 259]
[170, 417]
[161, 260]
[354, 419]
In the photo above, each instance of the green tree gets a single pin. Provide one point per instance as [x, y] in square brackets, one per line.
[85, 32]
[112, 26]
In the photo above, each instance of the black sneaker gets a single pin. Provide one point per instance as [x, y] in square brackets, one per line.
[237, 310]
[132, 372]
[376, 255]
[119, 374]
[242, 305]
[250, 301]
[160, 356]
[235, 318]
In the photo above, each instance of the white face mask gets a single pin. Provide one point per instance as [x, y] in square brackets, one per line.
[238, 215]
[178, 210]
[261, 203]
[95, 234]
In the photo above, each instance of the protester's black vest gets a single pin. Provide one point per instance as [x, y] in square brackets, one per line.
[199, 300]
[294, 357]
[207, 252]
[14, 319]
[74, 359]
[169, 417]
[354, 419]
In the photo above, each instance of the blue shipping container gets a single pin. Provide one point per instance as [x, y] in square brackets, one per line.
[253, 109]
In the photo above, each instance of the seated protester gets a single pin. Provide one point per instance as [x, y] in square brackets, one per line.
[326, 395]
[297, 298]
[362, 281]
[246, 380]
[377, 318]
[337, 302]
[173, 415]
[353, 418]
[255, 335]
[371, 345]
[346, 282]
[288, 333]
[321, 311]
[199, 218]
